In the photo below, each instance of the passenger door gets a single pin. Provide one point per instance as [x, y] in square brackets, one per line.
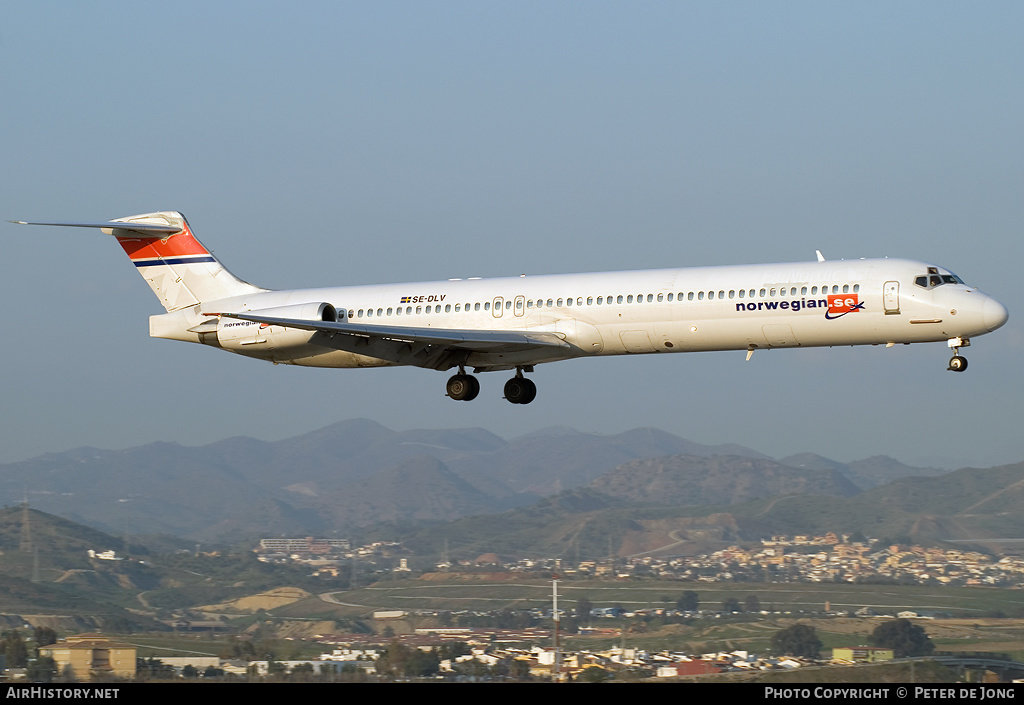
[891, 297]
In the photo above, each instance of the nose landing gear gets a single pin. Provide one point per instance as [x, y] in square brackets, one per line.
[957, 363]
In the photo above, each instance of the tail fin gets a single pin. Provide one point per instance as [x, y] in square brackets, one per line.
[179, 269]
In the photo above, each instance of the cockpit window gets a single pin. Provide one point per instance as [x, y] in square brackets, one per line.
[934, 279]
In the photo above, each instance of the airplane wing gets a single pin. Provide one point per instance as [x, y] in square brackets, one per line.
[436, 348]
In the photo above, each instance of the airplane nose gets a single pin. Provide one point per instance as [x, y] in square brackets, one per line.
[994, 314]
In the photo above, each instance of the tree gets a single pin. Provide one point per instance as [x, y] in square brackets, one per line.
[752, 604]
[42, 670]
[520, 670]
[731, 604]
[797, 640]
[303, 671]
[152, 668]
[593, 674]
[689, 602]
[15, 650]
[583, 608]
[904, 637]
[45, 636]
[400, 660]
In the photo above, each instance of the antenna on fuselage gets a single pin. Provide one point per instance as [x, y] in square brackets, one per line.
[821, 257]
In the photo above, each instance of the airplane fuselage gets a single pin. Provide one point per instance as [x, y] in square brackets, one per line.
[748, 307]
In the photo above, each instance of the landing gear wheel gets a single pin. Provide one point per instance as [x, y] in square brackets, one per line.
[957, 364]
[463, 387]
[520, 390]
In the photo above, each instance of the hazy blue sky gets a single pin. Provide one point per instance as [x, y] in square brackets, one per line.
[330, 143]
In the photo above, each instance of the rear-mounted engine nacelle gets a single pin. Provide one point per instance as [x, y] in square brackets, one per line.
[236, 334]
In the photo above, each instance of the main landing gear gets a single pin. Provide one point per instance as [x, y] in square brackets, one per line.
[520, 390]
[463, 387]
[466, 387]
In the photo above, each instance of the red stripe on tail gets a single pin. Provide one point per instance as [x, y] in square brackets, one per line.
[183, 243]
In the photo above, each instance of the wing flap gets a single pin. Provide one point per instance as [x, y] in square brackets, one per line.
[470, 340]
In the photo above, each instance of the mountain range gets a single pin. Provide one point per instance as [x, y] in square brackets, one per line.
[342, 478]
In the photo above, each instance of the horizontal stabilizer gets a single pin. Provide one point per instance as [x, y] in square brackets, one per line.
[155, 230]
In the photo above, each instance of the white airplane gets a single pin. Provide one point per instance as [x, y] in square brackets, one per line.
[516, 323]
